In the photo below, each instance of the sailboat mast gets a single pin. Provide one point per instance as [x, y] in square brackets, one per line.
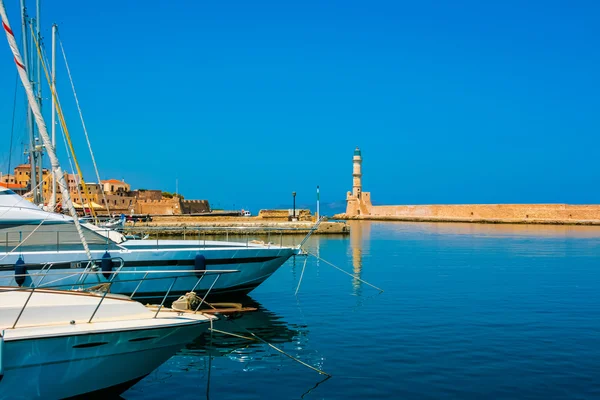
[36, 111]
[39, 99]
[53, 110]
[30, 126]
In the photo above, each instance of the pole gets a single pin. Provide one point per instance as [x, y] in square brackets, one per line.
[39, 100]
[53, 109]
[32, 178]
[318, 201]
[294, 205]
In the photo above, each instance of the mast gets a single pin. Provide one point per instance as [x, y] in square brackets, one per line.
[35, 108]
[40, 149]
[53, 111]
[30, 128]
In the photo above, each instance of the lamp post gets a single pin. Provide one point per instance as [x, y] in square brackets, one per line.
[294, 205]
[318, 201]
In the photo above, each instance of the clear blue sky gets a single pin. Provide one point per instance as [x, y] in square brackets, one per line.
[244, 102]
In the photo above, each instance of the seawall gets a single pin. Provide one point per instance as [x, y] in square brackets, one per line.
[484, 213]
[224, 226]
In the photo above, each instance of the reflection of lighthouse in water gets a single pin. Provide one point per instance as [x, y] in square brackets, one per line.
[360, 232]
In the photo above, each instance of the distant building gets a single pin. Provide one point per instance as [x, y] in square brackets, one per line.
[113, 186]
[110, 196]
[22, 176]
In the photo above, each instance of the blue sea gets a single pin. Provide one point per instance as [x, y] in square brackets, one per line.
[468, 311]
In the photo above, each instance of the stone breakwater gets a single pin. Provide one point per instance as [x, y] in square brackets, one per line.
[193, 227]
[567, 214]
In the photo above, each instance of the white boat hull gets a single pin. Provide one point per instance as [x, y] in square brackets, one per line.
[54, 368]
[255, 264]
[58, 344]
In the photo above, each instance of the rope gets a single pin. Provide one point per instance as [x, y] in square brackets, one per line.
[28, 236]
[12, 126]
[61, 117]
[301, 275]
[347, 273]
[72, 169]
[232, 334]
[83, 124]
[273, 347]
[79, 196]
[265, 342]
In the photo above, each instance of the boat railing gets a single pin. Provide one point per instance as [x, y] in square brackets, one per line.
[87, 265]
[108, 284]
[54, 240]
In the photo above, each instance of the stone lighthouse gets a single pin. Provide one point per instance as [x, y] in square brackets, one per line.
[356, 173]
[357, 201]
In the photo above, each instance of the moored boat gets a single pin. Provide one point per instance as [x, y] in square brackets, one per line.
[58, 344]
[47, 241]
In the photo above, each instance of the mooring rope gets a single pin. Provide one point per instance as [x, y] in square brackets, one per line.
[273, 347]
[347, 273]
[232, 334]
[301, 275]
[265, 342]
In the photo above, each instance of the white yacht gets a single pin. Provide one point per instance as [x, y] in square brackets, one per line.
[59, 344]
[33, 241]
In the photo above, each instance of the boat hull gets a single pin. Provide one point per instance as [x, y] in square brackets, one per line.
[62, 367]
[255, 265]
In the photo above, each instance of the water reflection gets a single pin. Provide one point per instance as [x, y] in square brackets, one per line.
[360, 236]
[262, 322]
[487, 230]
[210, 359]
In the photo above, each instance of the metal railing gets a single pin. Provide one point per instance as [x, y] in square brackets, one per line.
[87, 265]
[202, 274]
[63, 240]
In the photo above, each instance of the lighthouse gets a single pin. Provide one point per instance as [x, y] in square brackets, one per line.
[356, 173]
[357, 201]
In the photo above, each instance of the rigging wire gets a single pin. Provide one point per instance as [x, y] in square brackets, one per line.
[79, 195]
[12, 126]
[87, 138]
[72, 169]
[63, 122]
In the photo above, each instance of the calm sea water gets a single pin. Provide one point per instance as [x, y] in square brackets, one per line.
[468, 311]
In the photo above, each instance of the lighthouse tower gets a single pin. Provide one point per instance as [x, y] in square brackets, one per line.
[356, 173]
[357, 202]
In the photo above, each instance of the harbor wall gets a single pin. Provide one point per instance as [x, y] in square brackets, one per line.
[163, 206]
[490, 213]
